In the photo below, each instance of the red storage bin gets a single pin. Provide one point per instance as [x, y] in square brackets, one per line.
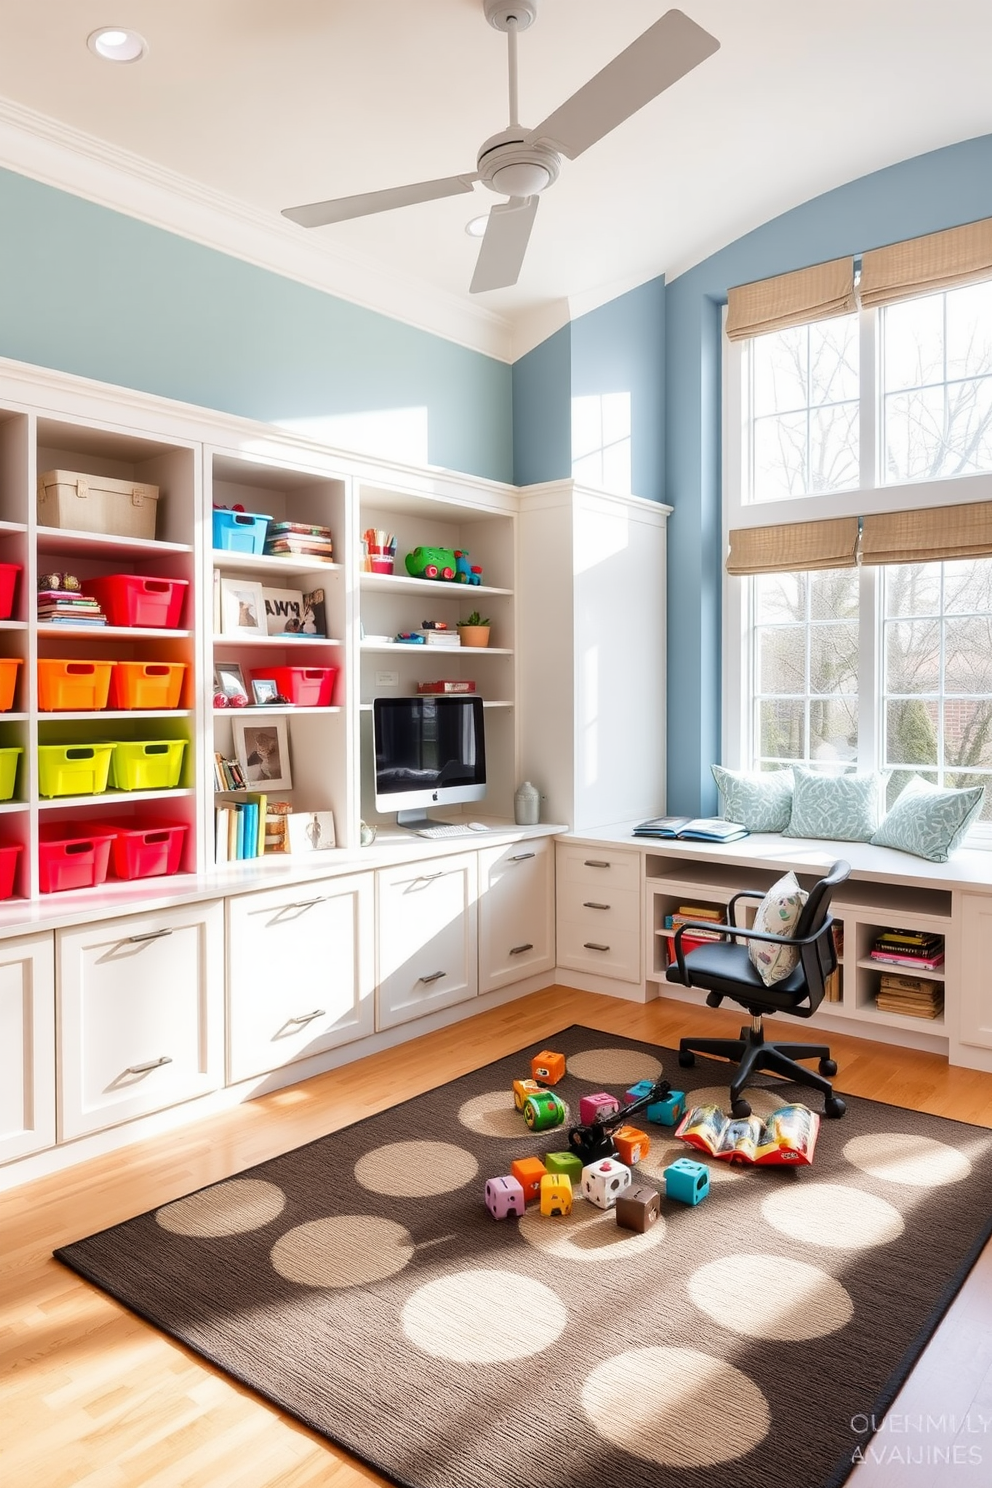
[136, 599]
[146, 684]
[8, 582]
[147, 850]
[9, 854]
[69, 858]
[307, 687]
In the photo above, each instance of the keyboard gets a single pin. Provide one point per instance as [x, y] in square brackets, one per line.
[446, 830]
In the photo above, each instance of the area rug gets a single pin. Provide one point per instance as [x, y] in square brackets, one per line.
[754, 1339]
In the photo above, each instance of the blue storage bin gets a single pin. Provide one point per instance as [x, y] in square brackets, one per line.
[244, 532]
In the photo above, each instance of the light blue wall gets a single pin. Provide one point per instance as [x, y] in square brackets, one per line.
[941, 189]
[542, 411]
[87, 290]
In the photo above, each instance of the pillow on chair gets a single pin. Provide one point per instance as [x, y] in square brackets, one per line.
[778, 914]
[848, 808]
[928, 821]
[760, 800]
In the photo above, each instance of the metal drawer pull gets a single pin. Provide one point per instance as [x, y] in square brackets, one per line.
[591, 904]
[142, 1069]
[595, 863]
[516, 950]
[307, 903]
[520, 857]
[434, 976]
[422, 877]
[309, 1017]
[151, 935]
[591, 945]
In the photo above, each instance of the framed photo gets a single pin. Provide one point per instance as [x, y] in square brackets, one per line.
[229, 679]
[283, 611]
[263, 752]
[242, 608]
[264, 689]
[310, 831]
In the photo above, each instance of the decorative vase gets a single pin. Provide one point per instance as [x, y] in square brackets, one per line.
[527, 805]
[474, 635]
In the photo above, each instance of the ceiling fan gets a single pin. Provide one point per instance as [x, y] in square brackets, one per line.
[520, 163]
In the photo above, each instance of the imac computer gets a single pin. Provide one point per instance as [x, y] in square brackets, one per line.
[429, 751]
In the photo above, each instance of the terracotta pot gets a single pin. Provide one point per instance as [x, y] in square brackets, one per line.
[474, 635]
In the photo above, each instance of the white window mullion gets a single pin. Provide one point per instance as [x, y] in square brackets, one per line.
[871, 730]
[870, 413]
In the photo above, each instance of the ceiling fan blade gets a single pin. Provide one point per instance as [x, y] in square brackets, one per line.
[505, 243]
[319, 214]
[666, 51]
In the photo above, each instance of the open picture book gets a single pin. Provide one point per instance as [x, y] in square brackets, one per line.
[691, 828]
[787, 1136]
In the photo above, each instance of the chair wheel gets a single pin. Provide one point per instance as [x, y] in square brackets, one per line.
[828, 1067]
[834, 1106]
[686, 1058]
[740, 1109]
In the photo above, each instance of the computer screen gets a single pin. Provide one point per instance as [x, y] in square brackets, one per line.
[429, 751]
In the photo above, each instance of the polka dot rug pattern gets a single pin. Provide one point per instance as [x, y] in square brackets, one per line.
[361, 1284]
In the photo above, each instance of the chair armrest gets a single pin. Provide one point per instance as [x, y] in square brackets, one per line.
[732, 932]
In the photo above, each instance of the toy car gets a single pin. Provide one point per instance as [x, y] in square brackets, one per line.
[431, 563]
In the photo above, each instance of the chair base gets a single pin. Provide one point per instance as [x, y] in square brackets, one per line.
[753, 1056]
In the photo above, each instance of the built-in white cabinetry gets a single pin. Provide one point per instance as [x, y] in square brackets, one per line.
[300, 971]
[974, 1026]
[140, 1014]
[516, 912]
[27, 1045]
[427, 936]
[599, 911]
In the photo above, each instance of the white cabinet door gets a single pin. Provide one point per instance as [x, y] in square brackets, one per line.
[427, 936]
[300, 972]
[974, 990]
[516, 912]
[141, 1014]
[27, 1045]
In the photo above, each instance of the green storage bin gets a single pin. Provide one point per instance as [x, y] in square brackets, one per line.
[148, 764]
[73, 769]
[8, 772]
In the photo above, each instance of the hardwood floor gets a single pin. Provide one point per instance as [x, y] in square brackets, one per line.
[94, 1398]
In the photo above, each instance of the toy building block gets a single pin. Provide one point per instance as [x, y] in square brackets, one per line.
[638, 1208]
[522, 1089]
[600, 1104]
[544, 1110]
[667, 1112]
[556, 1194]
[528, 1172]
[687, 1181]
[565, 1162]
[505, 1196]
[603, 1182]
[638, 1091]
[632, 1144]
[548, 1067]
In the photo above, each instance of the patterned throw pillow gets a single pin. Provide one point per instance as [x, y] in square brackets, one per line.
[760, 800]
[848, 808]
[778, 914]
[928, 821]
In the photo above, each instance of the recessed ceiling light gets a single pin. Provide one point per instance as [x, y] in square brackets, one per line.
[477, 227]
[115, 44]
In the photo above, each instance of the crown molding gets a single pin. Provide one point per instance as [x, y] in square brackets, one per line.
[32, 144]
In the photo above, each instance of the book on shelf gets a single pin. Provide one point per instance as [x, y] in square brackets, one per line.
[276, 828]
[914, 997]
[239, 828]
[691, 828]
[923, 963]
[314, 613]
[447, 638]
[300, 547]
[228, 774]
[787, 1136]
[297, 529]
[834, 982]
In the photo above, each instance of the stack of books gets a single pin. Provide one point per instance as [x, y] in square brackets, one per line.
[66, 607]
[914, 997]
[690, 914]
[286, 539]
[228, 774]
[834, 984]
[908, 948]
[240, 828]
[441, 637]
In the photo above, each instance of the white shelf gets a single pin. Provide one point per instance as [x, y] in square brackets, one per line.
[90, 544]
[109, 798]
[899, 968]
[296, 710]
[13, 625]
[114, 632]
[283, 641]
[437, 588]
[228, 560]
[486, 702]
[91, 715]
[473, 651]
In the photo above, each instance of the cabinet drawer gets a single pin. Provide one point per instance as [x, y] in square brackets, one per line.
[516, 912]
[427, 937]
[595, 867]
[616, 953]
[600, 908]
[141, 1014]
[300, 972]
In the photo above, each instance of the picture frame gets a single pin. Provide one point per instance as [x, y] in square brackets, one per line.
[283, 611]
[242, 608]
[263, 752]
[264, 690]
[310, 831]
[229, 679]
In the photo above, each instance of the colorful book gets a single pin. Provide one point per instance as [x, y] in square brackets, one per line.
[691, 828]
[788, 1136]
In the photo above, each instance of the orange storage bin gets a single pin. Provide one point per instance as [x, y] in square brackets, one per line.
[71, 858]
[9, 854]
[8, 682]
[137, 599]
[8, 583]
[146, 684]
[71, 686]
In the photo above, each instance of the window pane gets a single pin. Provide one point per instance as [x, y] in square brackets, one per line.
[833, 662]
[961, 780]
[968, 732]
[912, 656]
[833, 729]
[968, 654]
[833, 594]
[833, 360]
[914, 434]
[901, 778]
[778, 371]
[782, 659]
[911, 732]
[913, 343]
[912, 589]
[833, 449]
[968, 442]
[969, 331]
[780, 596]
[780, 457]
[967, 586]
[782, 729]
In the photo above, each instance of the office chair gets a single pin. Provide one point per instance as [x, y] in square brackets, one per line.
[724, 969]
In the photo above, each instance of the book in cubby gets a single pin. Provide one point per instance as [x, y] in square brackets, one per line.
[913, 997]
[692, 914]
[922, 949]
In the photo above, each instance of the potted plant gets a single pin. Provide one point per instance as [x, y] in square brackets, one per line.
[474, 631]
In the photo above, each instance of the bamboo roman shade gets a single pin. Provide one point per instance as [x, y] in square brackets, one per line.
[942, 260]
[925, 536]
[791, 299]
[792, 546]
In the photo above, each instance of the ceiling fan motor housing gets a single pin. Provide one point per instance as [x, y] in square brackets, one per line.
[500, 13]
[511, 166]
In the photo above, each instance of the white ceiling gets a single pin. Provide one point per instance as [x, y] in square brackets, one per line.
[247, 106]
